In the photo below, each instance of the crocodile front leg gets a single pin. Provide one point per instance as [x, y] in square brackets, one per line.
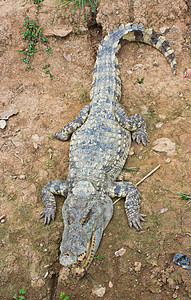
[54, 187]
[132, 203]
[135, 123]
[64, 133]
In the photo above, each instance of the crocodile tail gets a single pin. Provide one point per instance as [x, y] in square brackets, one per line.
[106, 77]
[153, 38]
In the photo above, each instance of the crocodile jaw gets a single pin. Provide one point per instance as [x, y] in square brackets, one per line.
[84, 260]
[80, 263]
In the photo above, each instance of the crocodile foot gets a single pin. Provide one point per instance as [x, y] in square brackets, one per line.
[48, 214]
[140, 135]
[135, 220]
[61, 135]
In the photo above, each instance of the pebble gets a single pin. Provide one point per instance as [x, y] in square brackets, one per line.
[3, 124]
[110, 284]
[129, 72]
[164, 145]
[137, 266]
[163, 210]
[155, 64]
[59, 31]
[35, 139]
[22, 177]
[5, 115]
[175, 295]
[136, 67]
[168, 160]
[159, 125]
[120, 252]
[164, 29]
[99, 292]
[67, 56]
[171, 283]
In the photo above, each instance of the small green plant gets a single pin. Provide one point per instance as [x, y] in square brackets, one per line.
[184, 196]
[19, 296]
[140, 81]
[62, 296]
[84, 97]
[51, 137]
[33, 34]
[74, 5]
[100, 256]
[37, 2]
[138, 44]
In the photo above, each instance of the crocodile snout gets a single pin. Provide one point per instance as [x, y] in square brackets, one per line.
[67, 259]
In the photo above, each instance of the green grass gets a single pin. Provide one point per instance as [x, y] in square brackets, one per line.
[33, 34]
[81, 5]
[63, 297]
[183, 196]
[19, 295]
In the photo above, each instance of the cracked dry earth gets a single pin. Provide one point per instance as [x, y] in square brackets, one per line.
[30, 157]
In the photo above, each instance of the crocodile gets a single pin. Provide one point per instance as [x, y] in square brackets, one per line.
[101, 136]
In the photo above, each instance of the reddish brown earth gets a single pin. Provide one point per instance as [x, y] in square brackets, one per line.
[30, 157]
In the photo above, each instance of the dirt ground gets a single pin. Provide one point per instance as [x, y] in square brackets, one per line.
[30, 156]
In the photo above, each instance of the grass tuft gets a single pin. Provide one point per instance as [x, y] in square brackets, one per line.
[184, 196]
[80, 5]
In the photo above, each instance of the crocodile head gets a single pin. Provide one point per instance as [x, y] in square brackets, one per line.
[86, 213]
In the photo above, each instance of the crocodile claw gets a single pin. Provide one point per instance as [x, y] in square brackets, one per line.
[140, 135]
[136, 221]
[48, 214]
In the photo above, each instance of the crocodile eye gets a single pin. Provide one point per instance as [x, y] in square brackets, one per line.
[86, 216]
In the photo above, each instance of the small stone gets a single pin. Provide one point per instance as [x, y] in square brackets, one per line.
[5, 115]
[46, 275]
[2, 218]
[58, 31]
[136, 67]
[137, 266]
[129, 72]
[159, 125]
[164, 145]
[67, 56]
[99, 292]
[120, 252]
[163, 210]
[155, 64]
[171, 283]
[131, 151]
[35, 139]
[168, 160]
[22, 177]
[175, 295]
[164, 29]
[3, 124]
[110, 284]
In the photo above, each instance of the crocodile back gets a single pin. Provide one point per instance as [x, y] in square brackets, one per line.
[98, 150]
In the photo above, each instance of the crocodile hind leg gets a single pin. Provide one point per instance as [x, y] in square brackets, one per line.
[54, 187]
[132, 202]
[135, 124]
[64, 133]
